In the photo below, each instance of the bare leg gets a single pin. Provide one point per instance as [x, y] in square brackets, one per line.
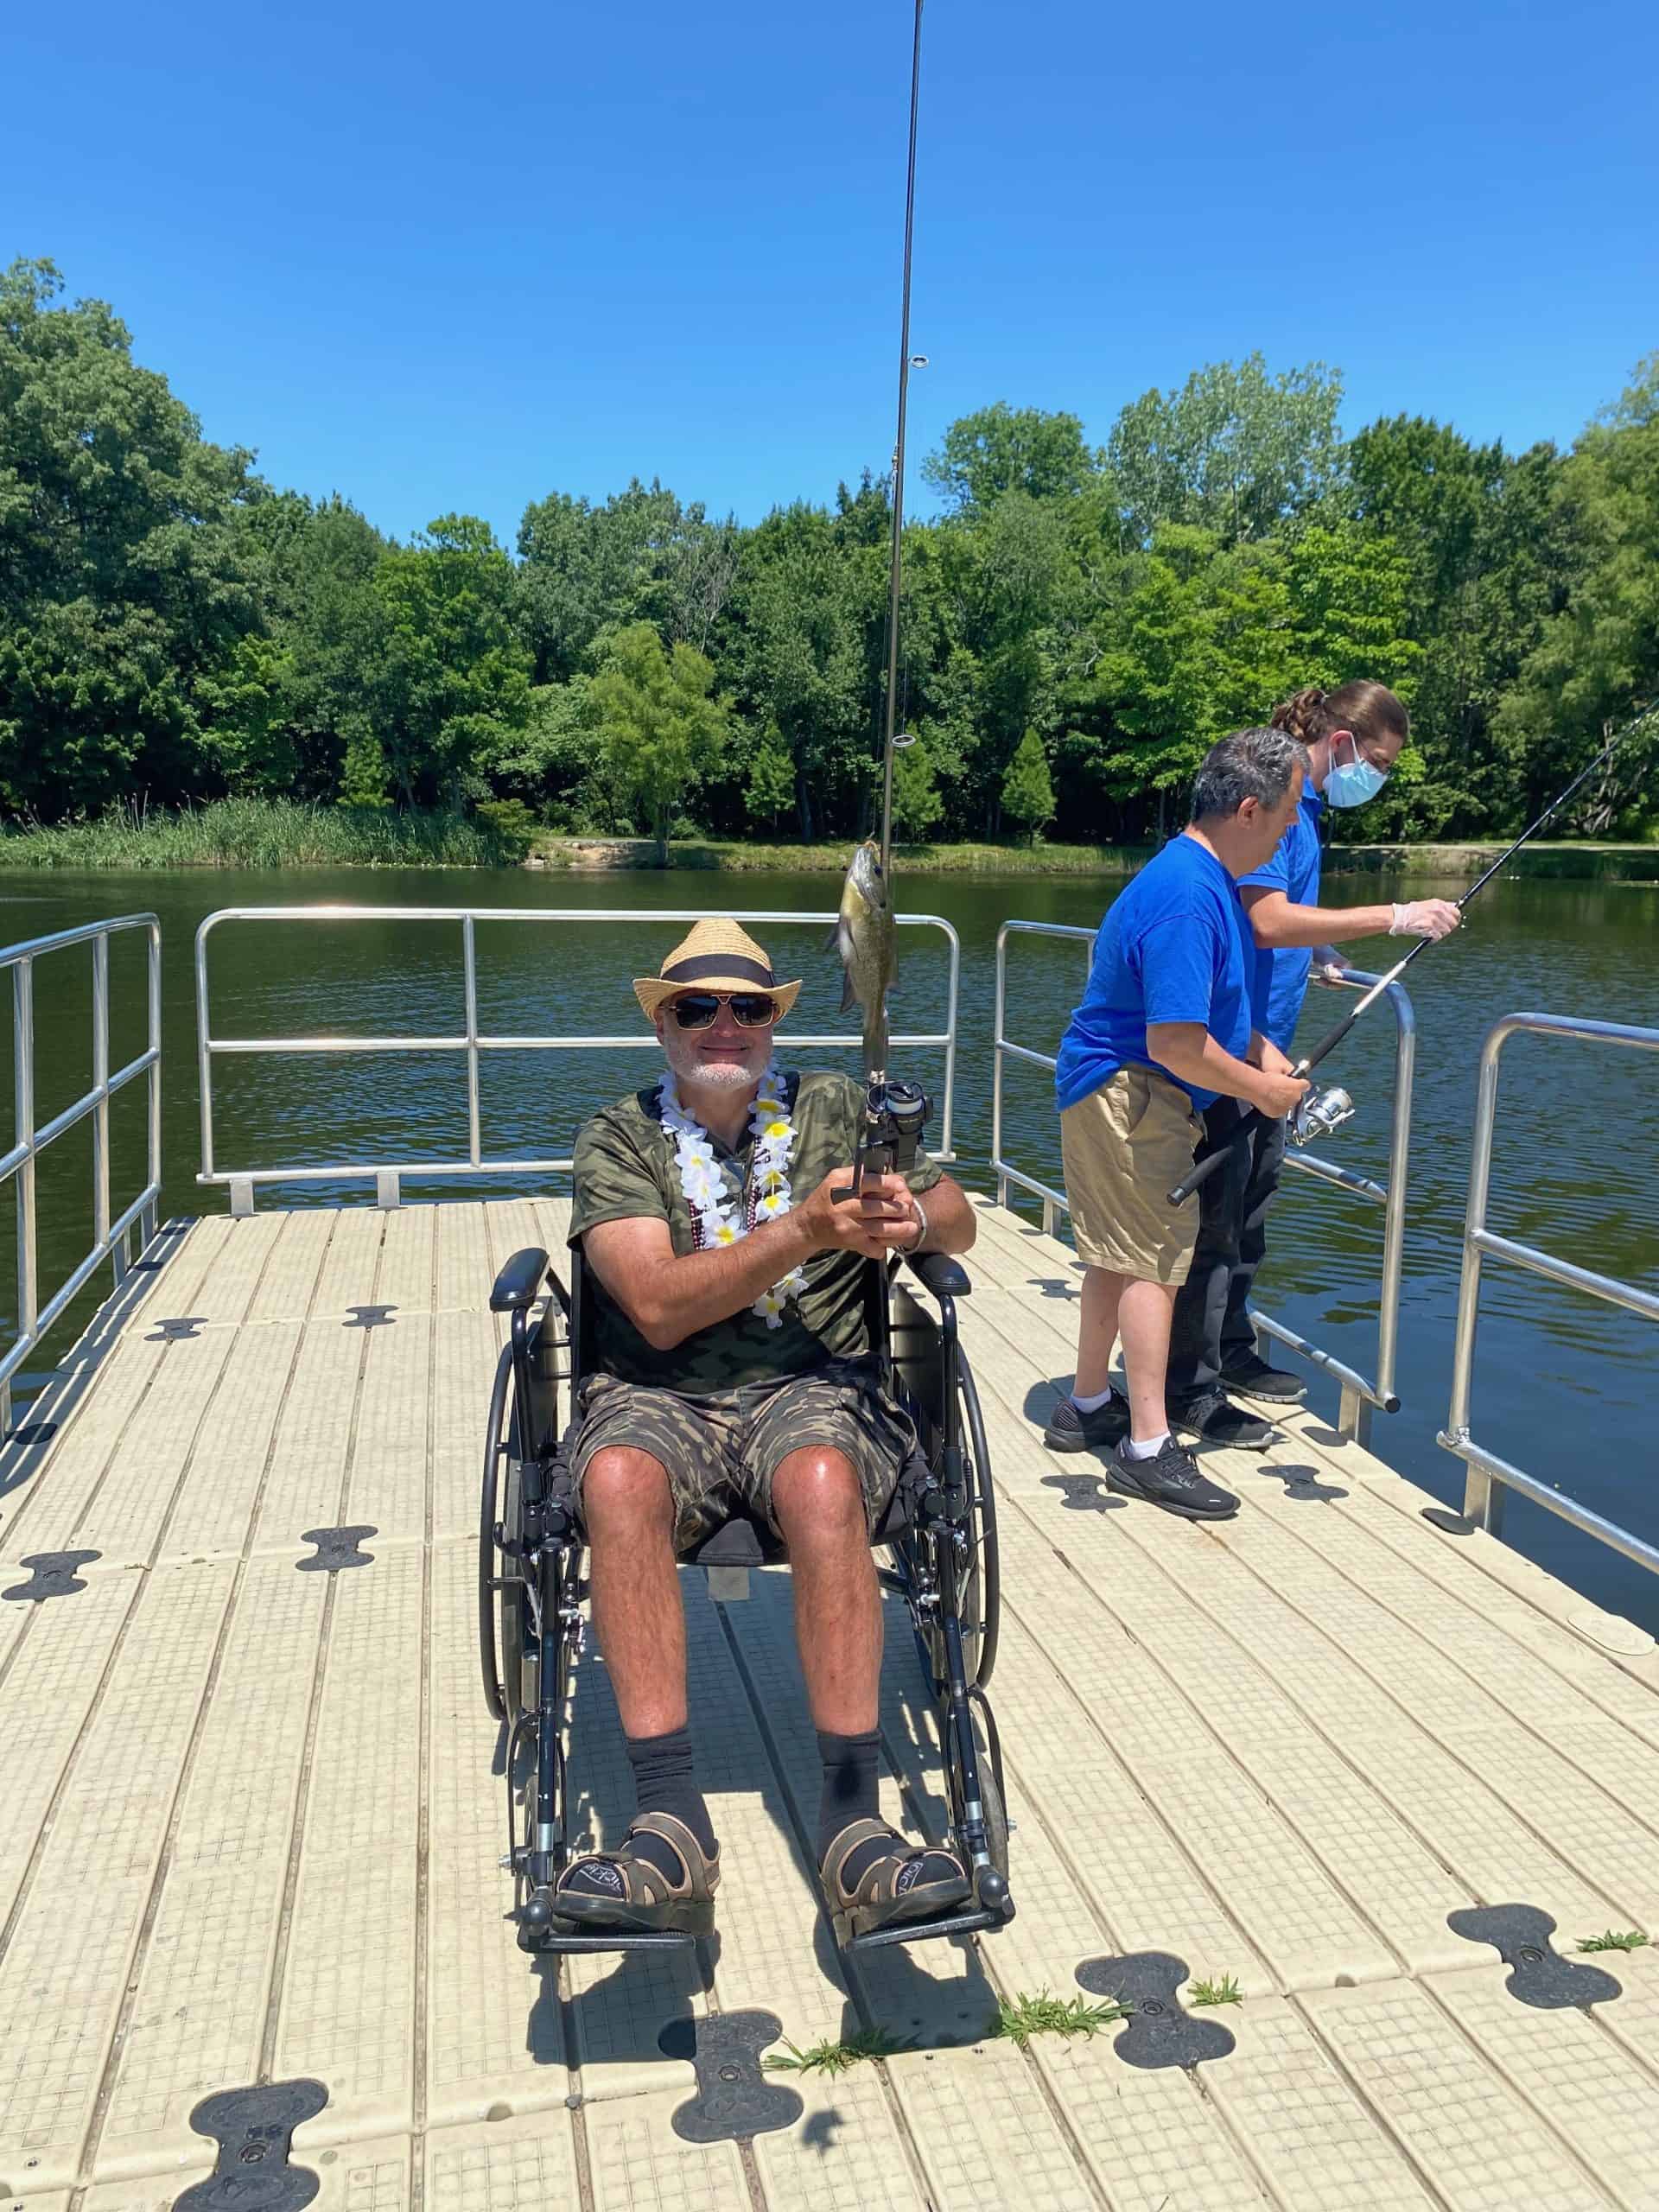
[1098, 1330]
[820, 1509]
[1145, 1312]
[638, 1615]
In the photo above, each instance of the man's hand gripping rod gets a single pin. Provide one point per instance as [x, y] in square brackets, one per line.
[1212, 1163]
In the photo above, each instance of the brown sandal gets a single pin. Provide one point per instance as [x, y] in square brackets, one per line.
[877, 1901]
[644, 1897]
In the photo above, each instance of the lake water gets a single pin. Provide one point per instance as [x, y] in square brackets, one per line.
[1563, 1386]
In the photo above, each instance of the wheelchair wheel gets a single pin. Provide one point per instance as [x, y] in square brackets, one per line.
[976, 1570]
[982, 1598]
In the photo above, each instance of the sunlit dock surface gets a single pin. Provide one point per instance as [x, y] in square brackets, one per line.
[251, 1814]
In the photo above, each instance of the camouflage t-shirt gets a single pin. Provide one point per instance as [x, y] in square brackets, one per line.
[625, 1170]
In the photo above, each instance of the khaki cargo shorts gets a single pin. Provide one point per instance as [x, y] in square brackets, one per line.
[1124, 1147]
[722, 1448]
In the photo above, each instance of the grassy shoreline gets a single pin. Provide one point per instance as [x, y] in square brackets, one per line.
[1607, 863]
[242, 833]
[277, 834]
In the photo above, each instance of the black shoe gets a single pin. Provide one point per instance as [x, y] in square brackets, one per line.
[1251, 1374]
[1172, 1481]
[1105, 1427]
[1214, 1419]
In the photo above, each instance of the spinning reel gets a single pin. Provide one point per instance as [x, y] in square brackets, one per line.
[1320, 1114]
[895, 1114]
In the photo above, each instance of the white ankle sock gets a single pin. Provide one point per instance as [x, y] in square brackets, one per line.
[1131, 1450]
[1093, 1403]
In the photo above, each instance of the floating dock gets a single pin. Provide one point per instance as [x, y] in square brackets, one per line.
[252, 1811]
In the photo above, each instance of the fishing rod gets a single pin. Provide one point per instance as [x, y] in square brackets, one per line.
[1319, 1116]
[896, 559]
[895, 1111]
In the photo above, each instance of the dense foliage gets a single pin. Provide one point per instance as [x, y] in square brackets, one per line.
[1078, 624]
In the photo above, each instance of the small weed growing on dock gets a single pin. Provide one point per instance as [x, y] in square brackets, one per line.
[1021, 2017]
[1611, 1939]
[827, 2057]
[1225, 1990]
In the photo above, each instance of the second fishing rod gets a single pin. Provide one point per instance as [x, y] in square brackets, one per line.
[1322, 1112]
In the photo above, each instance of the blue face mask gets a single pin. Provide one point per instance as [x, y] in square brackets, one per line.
[1354, 782]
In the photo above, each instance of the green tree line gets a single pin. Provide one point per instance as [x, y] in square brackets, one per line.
[1079, 623]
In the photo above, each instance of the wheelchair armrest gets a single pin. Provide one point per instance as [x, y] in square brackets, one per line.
[519, 1281]
[944, 1276]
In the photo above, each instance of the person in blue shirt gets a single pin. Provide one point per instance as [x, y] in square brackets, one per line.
[1351, 739]
[1164, 1028]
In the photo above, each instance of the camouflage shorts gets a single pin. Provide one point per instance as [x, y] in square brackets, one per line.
[722, 1448]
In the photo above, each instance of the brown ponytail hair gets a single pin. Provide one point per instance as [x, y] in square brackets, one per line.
[1370, 711]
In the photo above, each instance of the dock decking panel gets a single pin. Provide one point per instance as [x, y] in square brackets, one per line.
[252, 1821]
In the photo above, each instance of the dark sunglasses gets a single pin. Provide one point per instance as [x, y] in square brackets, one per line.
[750, 1009]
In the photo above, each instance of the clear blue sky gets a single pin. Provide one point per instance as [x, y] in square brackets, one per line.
[454, 258]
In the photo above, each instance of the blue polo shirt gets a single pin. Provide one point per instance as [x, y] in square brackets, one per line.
[1175, 946]
[1279, 982]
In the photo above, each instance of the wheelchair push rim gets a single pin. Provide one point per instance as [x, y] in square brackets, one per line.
[502, 1642]
[495, 1450]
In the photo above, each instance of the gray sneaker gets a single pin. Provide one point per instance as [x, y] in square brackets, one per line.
[1172, 1481]
[1252, 1374]
[1103, 1429]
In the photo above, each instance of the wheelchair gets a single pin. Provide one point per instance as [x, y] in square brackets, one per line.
[939, 1534]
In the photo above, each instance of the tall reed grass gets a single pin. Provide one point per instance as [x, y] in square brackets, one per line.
[255, 833]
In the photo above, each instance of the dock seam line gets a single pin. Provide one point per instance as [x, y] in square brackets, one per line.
[423, 1824]
[1333, 2059]
[1495, 2065]
[1442, 1659]
[296, 1835]
[851, 1980]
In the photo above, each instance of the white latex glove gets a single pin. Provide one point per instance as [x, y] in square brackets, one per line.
[1329, 964]
[1435, 917]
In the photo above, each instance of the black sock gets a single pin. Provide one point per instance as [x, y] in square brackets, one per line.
[664, 1781]
[850, 1793]
[850, 1764]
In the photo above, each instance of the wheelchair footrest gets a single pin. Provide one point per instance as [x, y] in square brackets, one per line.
[556, 1939]
[970, 1922]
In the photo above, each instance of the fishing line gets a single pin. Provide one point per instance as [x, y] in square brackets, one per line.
[1330, 1108]
[896, 561]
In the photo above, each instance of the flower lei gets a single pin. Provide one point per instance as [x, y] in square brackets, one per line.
[715, 1219]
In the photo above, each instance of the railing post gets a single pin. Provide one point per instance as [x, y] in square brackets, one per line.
[999, 1006]
[1354, 1417]
[153, 1086]
[1394, 1212]
[204, 1054]
[947, 1133]
[22, 1045]
[1481, 1503]
[469, 963]
[101, 1085]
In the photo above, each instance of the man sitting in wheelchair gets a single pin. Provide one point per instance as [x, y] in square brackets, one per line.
[733, 1372]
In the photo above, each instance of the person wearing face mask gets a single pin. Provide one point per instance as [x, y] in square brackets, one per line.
[1351, 739]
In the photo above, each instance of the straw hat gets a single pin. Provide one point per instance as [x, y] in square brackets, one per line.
[714, 955]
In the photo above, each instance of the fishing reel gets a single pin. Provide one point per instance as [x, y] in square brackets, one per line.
[1320, 1114]
[890, 1135]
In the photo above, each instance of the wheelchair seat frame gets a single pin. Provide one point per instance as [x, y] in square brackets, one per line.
[940, 1532]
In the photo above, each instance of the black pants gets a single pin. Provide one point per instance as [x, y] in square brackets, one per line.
[1212, 1324]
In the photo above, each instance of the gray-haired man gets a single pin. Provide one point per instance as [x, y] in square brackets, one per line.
[1164, 1028]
